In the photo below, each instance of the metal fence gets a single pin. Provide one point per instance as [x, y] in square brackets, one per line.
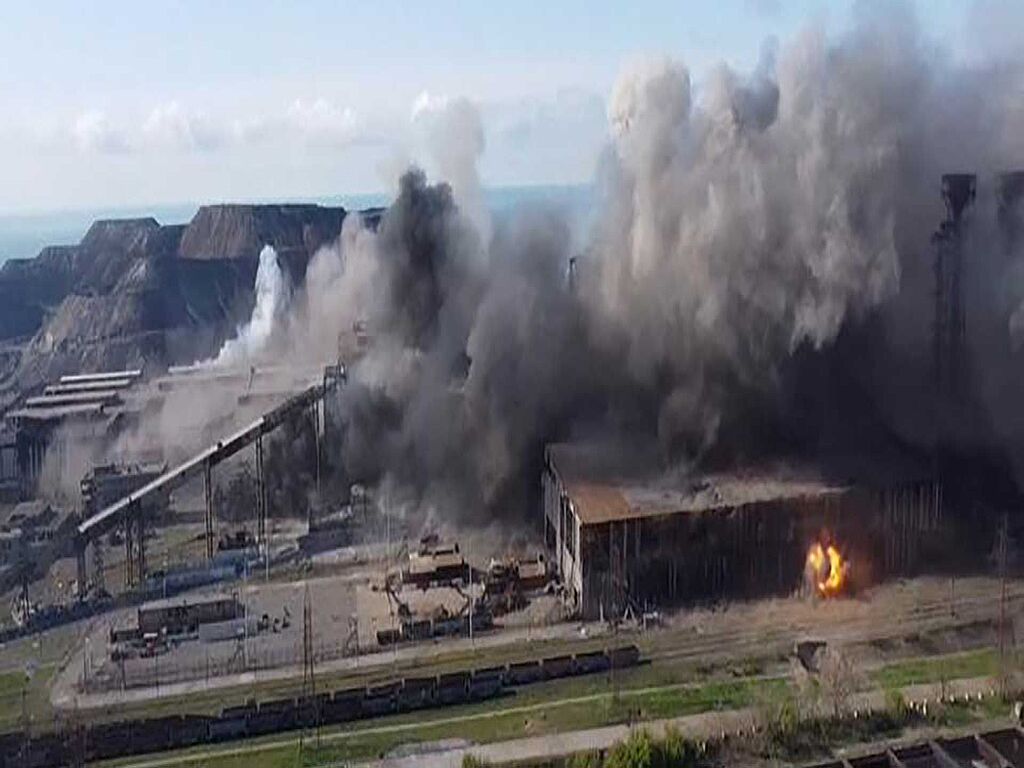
[204, 662]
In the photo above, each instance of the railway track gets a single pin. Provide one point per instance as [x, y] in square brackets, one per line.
[761, 641]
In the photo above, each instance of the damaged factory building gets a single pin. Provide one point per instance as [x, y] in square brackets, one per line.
[625, 539]
[626, 535]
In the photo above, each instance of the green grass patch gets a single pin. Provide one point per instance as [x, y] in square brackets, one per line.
[647, 692]
[508, 718]
[36, 704]
[981, 663]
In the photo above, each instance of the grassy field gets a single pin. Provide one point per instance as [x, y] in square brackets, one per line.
[36, 698]
[980, 663]
[665, 687]
[43, 654]
[508, 718]
[645, 693]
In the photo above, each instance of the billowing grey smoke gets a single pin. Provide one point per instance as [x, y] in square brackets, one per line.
[455, 139]
[743, 227]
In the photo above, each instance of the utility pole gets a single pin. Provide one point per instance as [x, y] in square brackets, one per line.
[613, 679]
[261, 496]
[245, 615]
[1003, 533]
[472, 601]
[309, 663]
[308, 671]
[78, 732]
[85, 666]
[26, 735]
[208, 491]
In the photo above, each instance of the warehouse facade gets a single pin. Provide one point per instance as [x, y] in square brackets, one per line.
[622, 538]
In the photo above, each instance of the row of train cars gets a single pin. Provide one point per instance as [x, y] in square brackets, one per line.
[102, 741]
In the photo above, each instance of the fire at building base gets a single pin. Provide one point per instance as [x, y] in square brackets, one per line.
[624, 540]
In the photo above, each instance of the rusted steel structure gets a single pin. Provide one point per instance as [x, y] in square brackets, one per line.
[625, 539]
[994, 749]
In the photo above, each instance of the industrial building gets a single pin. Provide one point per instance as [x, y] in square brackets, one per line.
[28, 526]
[97, 408]
[623, 537]
[95, 404]
[179, 615]
[106, 483]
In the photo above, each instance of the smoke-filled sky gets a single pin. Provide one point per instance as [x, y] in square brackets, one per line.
[755, 284]
[127, 104]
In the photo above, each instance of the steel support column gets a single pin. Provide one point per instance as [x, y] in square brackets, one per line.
[98, 566]
[208, 491]
[129, 549]
[82, 573]
[261, 497]
[316, 435]
[140, 544]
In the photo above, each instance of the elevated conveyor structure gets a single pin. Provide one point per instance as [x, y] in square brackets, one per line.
[129, 509]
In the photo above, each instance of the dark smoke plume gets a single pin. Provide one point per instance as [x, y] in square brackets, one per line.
[758, 280]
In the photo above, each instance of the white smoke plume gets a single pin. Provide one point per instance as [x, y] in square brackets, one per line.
[272, 295]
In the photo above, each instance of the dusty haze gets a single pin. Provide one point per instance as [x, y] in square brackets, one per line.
[758, 280]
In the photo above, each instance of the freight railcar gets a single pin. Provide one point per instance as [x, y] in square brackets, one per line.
[121, 739]
[452, 688]
[381, 699]
[558, 666]
[524, 673]
[591, 663]
[417, 693]
[344, 706]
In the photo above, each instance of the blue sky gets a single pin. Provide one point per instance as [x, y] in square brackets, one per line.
[129, 103]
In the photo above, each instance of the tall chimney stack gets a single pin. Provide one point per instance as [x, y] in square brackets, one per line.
[950, 322]
[958, 191]
[1010, 207]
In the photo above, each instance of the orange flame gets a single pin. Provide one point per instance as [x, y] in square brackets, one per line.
[827, 569]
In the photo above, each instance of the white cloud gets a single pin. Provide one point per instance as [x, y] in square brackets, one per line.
[92, 132]
[321, 122]
[765, 8]
[428, 103]
[317, 123]
[553, 140]
[254, 130]
[170, 125]
[161, 148]
[572, 115]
